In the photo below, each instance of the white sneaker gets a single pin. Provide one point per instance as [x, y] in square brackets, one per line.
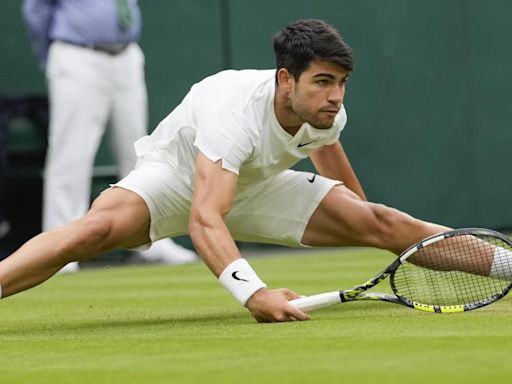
[72, 267]
[167, 251]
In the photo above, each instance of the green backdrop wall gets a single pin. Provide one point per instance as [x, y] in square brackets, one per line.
[428, 104]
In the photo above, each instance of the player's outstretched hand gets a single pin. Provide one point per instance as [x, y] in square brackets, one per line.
[268, 306]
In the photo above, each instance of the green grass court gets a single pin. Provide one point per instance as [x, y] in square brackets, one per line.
[157, 324]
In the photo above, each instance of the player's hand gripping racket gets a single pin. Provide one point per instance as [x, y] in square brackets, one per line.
[455, 271]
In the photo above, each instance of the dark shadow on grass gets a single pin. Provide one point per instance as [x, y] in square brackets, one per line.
[57, 327]
[342, 313]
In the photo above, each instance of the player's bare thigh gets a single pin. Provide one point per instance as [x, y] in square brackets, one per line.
[127, 216]
[342, 218]
[338, 220]
[118, 218]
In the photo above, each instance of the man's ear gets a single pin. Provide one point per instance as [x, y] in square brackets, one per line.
[284, 79]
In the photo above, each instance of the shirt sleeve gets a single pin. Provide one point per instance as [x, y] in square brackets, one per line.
[224, 139]
[221, 131]
[38, 15]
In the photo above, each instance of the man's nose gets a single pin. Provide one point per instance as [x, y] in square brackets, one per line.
[336, 94]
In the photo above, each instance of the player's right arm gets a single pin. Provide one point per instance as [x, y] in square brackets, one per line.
[214, 191]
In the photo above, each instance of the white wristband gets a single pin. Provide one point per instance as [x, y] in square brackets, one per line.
[241, 280]
[502, 264]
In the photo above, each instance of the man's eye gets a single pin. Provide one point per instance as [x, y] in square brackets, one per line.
[322, 82]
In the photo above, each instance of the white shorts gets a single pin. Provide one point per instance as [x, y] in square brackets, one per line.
[275, 210]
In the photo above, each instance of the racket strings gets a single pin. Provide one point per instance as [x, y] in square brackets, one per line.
[455, 271]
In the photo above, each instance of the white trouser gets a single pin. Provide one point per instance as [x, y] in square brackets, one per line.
[89, 90]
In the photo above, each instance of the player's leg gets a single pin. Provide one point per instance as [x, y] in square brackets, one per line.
[342, 218]
[118, 218]
[293, 208]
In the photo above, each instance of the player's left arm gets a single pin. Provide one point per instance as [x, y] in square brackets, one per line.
[331, 161]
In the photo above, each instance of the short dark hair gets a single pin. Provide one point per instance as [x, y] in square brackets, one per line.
[304, 41]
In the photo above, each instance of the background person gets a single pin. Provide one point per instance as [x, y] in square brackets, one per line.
[95, 74]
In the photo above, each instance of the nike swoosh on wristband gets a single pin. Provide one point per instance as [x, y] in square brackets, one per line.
[307, 143]
[238, 278]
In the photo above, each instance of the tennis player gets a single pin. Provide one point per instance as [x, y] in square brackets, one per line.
[217, 168]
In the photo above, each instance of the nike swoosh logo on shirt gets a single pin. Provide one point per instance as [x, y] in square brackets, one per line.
[306, 143]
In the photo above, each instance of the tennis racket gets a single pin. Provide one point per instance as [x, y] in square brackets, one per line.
[455, 271]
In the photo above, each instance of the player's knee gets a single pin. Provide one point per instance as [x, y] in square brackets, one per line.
[387, 226]
[96, 228]
[90, 235]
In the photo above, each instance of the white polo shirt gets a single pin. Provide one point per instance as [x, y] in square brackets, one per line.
[230, 116]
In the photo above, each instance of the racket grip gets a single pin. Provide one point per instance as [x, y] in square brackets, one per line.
[310, 303]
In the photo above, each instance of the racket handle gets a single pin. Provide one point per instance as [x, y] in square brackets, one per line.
[310, 303]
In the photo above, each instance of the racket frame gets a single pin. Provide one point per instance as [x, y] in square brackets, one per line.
[358, 292]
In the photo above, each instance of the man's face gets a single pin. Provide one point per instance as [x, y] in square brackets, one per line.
[318, 94]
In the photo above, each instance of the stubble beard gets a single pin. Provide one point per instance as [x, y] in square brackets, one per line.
[307, 117]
